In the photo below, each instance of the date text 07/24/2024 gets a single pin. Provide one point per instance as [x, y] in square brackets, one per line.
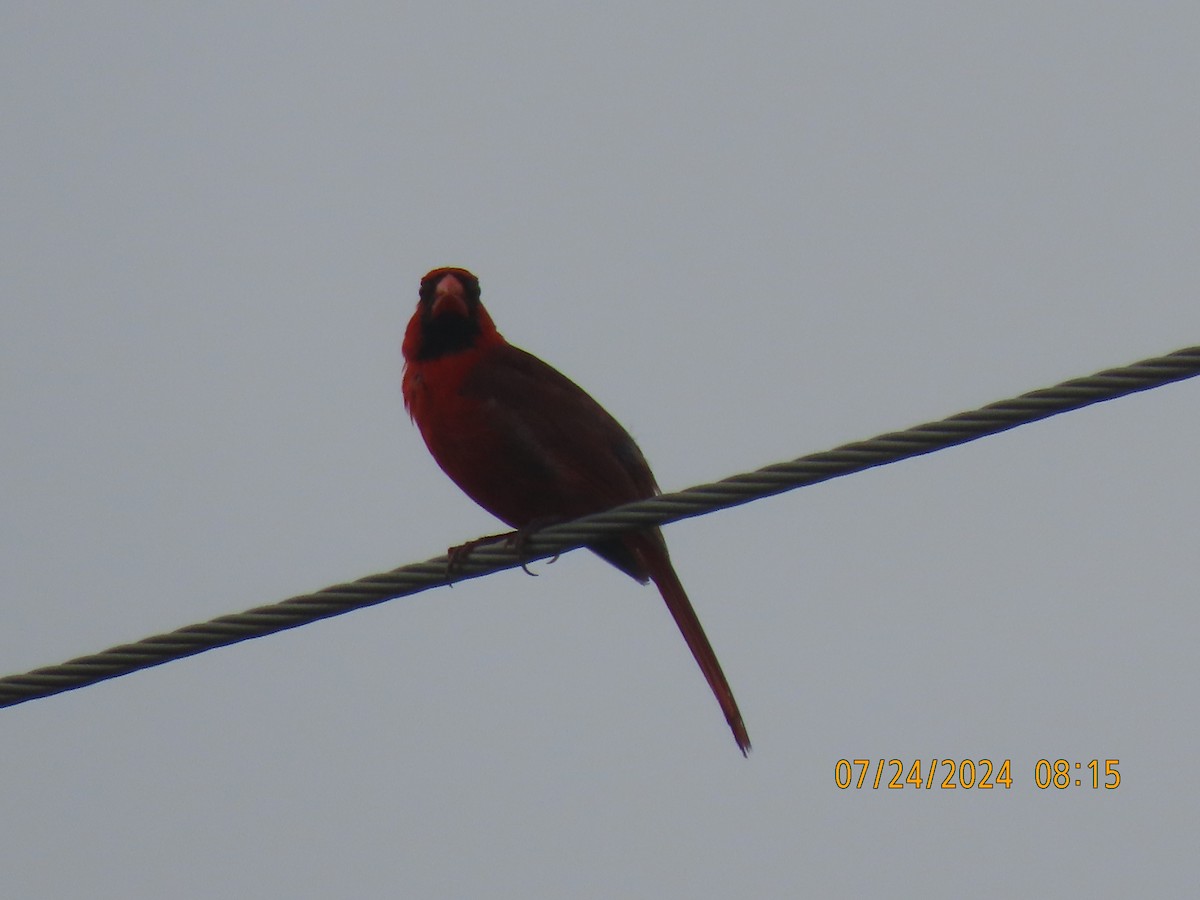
[968, 774]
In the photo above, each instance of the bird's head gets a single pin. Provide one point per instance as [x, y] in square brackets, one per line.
[449, 316]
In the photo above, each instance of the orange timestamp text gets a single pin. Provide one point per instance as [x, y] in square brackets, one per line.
[972, 774]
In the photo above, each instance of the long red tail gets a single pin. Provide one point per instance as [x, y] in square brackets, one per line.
[662, 573]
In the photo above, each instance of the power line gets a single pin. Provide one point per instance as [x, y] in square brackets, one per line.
[666, 508]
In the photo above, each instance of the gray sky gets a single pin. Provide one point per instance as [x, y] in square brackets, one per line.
[752, 231]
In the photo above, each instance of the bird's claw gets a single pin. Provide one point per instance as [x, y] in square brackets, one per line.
[518, 540]
[457, 556]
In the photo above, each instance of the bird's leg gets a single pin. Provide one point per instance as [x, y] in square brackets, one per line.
[518, 540]
[458, 555]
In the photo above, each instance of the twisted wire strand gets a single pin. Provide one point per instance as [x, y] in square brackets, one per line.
[555, 539]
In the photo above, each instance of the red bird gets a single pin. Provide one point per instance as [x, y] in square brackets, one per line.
[530, 446]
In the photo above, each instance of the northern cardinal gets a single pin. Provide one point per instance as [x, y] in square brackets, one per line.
[530, 446]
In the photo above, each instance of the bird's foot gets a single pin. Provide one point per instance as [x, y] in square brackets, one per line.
[518, 540]
[457, 556]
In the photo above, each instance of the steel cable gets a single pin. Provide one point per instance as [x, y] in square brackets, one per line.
[555, 539]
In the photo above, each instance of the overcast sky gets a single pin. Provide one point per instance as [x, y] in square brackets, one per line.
[752, 231]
